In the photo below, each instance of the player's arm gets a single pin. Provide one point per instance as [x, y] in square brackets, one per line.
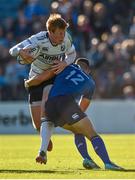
[23, 48]
[87, 96]
[36, 80]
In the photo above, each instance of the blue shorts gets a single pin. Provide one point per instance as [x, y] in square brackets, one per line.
[63, 110]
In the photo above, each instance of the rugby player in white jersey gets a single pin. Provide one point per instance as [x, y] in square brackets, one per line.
[55, 46]
[56, 51]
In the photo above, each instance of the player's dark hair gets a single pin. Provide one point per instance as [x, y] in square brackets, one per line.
[85, 60]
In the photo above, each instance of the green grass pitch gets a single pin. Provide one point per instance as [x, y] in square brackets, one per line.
[18, 152]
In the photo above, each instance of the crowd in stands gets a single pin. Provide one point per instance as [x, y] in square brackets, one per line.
[102, 31]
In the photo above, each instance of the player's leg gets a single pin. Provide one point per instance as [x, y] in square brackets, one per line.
[86, 128]
[79, 139]
[81, 124]
[46, 91]
[46, 127]
[72, 112]
[35, 113]
[81, 146]
[35, 101]
[45, 133]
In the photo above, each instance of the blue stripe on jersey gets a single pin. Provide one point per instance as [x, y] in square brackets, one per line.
[28, 40]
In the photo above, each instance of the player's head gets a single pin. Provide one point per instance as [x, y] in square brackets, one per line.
[56, 27]
[84, 64]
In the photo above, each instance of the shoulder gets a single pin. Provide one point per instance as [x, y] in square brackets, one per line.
[41, 36]
[68, 38]
[73, 67]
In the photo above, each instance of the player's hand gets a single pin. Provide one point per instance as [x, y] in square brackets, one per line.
[26, 56]
[26, 83]
[59, 66]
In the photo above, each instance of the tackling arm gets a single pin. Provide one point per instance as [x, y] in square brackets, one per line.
[36, 80]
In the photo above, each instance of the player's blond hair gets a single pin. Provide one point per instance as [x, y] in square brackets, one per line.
[56, 21]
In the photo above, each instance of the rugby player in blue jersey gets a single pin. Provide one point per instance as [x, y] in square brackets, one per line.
[62, 110]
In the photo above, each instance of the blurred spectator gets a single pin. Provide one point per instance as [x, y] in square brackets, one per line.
[15, 75]
[88, 8]
[64, 7]
[85, 29]
[112, 86]
[54, 7]
[9, 24]
[127, 84]
[3, 85]
[132, 29]
[22, 27]
[33, 8]
[116, 36]
[3, 41]
[100, 19]
[128, 50]
[97, 53]
[128, 93]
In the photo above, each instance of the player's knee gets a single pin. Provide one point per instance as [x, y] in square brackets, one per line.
[89, 133]
[36, 127]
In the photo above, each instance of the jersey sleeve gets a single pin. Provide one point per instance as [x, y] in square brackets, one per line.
[34, 41]
[71, 52]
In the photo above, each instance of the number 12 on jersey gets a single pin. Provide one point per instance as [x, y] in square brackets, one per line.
[76, 79]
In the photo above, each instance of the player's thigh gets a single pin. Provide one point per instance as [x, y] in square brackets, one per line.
[35, 112]
[35, 101]
[85, 127]
[46, 91]
[71, 128]
[69, 110]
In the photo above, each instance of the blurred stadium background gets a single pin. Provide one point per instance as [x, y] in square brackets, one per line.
[102, 30]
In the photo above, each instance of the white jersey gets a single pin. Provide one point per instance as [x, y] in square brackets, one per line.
[48, 52]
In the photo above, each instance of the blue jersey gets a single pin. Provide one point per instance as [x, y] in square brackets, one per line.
[73, 81]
